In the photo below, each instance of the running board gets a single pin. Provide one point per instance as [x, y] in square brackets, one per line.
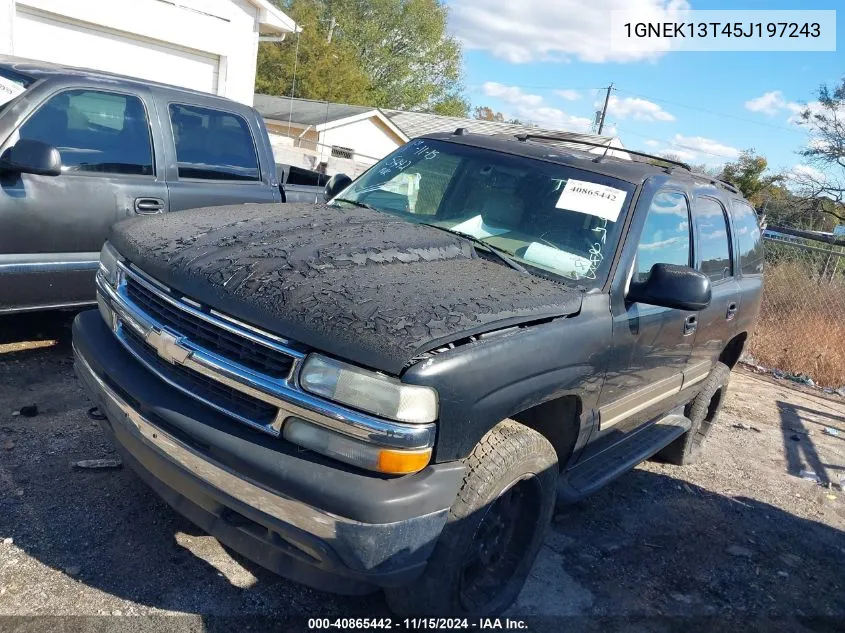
[603, 468]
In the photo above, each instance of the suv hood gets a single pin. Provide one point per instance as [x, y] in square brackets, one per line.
[361, 285]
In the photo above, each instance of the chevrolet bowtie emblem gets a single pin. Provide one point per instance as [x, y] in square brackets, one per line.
[167, 346]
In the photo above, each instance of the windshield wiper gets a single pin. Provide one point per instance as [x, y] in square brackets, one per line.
[363, 205]
[488, 247]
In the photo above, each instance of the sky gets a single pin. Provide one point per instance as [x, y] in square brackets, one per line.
[548, 62]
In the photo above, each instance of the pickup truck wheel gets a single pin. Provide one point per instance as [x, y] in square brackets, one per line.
[495, 529]
[703, 411]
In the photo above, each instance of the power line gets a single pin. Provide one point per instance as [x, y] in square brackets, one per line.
[794, 130]
[714, 113]
[678, 145]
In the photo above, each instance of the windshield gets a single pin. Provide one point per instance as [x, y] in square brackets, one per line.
[553, 219]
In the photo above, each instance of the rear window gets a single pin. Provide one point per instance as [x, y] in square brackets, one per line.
[749, 238]
[212, 144]
[713, 243]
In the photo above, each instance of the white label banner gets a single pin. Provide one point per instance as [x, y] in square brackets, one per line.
[9, 90]
[588, 197]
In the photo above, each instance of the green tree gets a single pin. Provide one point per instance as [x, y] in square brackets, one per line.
[486, 113]
[748, 174]
[384, 53]
[825, 122]
[324, 71]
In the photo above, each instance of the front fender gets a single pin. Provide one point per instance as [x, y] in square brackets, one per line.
[483, 382]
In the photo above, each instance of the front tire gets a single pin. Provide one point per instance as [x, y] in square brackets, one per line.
[703, 412]
[495, 529]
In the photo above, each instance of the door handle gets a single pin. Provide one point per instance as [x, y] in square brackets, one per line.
[690, 324]
[149, 206]
[732, 308]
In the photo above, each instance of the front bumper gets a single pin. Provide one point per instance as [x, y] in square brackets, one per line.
[294, 513]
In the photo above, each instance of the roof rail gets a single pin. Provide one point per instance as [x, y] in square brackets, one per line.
[728, 185]
[542, 137]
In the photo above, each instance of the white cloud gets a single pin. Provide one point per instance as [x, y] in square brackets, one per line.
[773, 102]
[652, 143]
[539, 30]
[802, 173]
[638, 109]
[705, 146]
[569, 95]
[510, 94]
[534, 109]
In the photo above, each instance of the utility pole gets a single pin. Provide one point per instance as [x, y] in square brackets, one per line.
[332, 24]
[604, 109]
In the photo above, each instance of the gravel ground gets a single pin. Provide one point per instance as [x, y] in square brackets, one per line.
[740, 536]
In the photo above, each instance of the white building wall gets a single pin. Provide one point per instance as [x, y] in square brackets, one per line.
[370, 139]
[223, 30]
[7, 13]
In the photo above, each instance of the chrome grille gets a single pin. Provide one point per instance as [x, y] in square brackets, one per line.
[199, 385]
[248, 353]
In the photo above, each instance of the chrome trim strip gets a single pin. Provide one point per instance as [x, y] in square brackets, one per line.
[48, 306]
[633, 403]
[283, 394]
[47, 267]
[697, 373]
[229, 324]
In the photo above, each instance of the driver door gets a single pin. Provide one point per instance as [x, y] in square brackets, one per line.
[651, 344]
[54, 226]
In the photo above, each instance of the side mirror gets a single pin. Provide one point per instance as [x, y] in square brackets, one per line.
[335, 185]
[671, 286]
[28, 156]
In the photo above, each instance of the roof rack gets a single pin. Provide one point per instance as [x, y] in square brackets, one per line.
[727, 185]
[543, 137]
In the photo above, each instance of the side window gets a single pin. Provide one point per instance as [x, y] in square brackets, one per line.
[749, 238]
[212, 144]
[713, 242]
[95, 131]
[666, 235]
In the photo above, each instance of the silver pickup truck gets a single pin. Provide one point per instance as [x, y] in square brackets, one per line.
[80, 150]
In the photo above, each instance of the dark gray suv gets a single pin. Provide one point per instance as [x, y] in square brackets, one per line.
[393, 390]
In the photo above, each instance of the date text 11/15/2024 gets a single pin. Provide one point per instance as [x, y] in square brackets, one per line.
[417, 624]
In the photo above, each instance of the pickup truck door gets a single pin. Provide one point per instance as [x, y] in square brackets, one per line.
[54, 226]
[217, 157]
[717, 322]
[651, 345]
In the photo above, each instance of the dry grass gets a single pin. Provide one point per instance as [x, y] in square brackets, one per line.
[802, 325]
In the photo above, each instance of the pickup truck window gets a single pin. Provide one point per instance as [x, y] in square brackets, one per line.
[553, 219]
[212, 144]
[713, 242]
[749, 238]
[95, 131]
[666, 234]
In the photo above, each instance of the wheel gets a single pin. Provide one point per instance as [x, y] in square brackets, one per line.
[703, 411]
[495, 529]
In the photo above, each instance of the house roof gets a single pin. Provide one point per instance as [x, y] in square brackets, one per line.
[305, 111]
[422, 123]
[272, 20]
[319, 114]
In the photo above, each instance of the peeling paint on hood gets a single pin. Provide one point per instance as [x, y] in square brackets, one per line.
[359, 284]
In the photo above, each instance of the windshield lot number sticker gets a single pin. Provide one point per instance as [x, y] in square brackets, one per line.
[588, 197]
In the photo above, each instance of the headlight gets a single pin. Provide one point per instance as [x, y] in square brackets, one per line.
[381, 395]
[108, 264]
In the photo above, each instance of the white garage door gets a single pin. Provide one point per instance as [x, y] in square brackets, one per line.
[75, 44]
